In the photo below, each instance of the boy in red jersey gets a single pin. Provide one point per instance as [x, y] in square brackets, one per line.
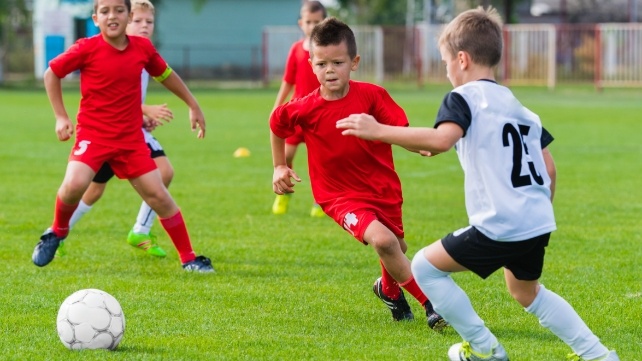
[353, 180]
[140, 236]
[109, 125]
[298, 75]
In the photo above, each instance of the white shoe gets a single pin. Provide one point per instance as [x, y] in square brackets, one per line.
[611, 356]
[464, 352]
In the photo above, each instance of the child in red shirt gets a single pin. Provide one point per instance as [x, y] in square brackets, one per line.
[109, 126]
[298, 75]
[353, 180]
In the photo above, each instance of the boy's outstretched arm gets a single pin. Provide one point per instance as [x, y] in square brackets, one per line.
[431, 141]
[175, 84]
[282, 176]
[64, 127]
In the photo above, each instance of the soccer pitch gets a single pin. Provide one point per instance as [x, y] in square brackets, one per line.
[293, 287]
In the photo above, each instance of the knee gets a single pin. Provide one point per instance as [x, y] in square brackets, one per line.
[524, 295]
[423, 270]
[72, 189]
[384, 244]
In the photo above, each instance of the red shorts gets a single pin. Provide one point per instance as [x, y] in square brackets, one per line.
[355, 218]
[126, 163]
[296, 138]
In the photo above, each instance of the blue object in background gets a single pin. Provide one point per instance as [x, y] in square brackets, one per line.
[54, 46]
[90, 28]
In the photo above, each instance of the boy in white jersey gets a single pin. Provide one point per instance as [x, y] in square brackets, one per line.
[509, 182]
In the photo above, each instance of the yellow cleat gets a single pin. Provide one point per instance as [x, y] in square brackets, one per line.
[316, 211]
[280, 205]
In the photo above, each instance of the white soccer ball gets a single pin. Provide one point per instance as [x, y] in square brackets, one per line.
[90, 319]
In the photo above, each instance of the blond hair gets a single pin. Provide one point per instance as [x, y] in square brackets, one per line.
[143, 4]
[477, 32]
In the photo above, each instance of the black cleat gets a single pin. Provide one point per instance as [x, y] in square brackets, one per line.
[199, 264]
[435, 321]
[46, 249]
[399, 307]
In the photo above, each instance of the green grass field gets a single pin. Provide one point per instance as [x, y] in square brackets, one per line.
[296, 288]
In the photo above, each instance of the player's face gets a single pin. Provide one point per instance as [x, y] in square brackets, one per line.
[332, 66]
[453, 70]
[112, 18]
[309, 20]
[142, 23]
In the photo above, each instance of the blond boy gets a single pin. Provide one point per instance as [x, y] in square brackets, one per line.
[509, 179]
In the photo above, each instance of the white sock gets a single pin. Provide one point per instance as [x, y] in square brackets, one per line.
[145, 219]
[559, 316]
[452, 303]
[78, 213]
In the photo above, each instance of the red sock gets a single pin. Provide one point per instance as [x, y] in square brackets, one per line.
[177, 231]
[413, 288]
[62, 215]
[389, 286]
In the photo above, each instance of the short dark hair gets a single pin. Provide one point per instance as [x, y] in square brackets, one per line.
[128, 3]
[333, 31]
[314, 7]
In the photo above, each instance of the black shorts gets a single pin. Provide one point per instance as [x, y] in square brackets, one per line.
[483, 256]
[105, 173]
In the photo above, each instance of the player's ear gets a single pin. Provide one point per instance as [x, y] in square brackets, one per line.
[463, 59]
[355, 63]
[94, 17]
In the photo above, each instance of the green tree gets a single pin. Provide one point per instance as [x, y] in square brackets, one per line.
[372, 12]
[394, 12]
[14, 16]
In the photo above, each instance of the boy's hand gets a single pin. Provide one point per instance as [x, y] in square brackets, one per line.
[362, 125]
[281, 180]
[197, 120]
[150, 124]
[159, 113]
[64, 129]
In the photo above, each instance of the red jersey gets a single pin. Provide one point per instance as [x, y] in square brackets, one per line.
[298, 71]
[345, 169]
[110, 87]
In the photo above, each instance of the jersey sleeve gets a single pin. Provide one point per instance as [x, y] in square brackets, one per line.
[289, 74]
[283, 120]
[454, 109]
[546, 138]
[387, 111]
[70, 60]
[156, 65]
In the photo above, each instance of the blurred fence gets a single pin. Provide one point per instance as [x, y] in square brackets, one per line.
[534, 54]
[537, 54]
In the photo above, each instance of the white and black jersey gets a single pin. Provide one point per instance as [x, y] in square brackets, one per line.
[507, 188]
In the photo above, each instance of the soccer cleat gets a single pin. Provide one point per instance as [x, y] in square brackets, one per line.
[199, 264]
[316, 211]
[399, 307]
[464, 352]
[46, 249]
[611, 356]
[280, 205]
[146, 242]
[435, 321]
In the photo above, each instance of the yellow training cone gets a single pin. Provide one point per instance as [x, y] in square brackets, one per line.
[241, 153]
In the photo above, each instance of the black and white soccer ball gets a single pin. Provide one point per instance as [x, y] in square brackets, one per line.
[90, 319]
